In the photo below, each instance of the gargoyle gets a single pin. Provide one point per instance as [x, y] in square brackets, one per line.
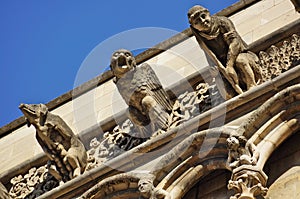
[68, 157]
[225, 47]
[149, 104]
[241, 152]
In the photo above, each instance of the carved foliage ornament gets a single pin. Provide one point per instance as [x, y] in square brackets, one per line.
[36, 182]
[279, 59]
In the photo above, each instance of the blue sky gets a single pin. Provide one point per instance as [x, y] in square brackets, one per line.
[44, 43]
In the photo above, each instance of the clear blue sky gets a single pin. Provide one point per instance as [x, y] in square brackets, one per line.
[44, 42]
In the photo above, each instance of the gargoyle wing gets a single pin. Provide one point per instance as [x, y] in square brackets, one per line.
[60, 126]
[152, 85]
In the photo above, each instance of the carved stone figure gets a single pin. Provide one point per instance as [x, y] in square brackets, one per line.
[66, 152]
[224, 46]
[149, 104]
[148, 190]
[241, 152]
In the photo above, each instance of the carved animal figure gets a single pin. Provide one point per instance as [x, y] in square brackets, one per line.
[68, 157]
[139, 86]
[219, 35]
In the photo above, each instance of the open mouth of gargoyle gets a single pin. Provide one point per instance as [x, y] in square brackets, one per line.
[122, 62]
[24, 108]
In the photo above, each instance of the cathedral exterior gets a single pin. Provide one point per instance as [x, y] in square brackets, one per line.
[213, 112]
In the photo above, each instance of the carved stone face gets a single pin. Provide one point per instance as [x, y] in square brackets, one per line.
[33, 112]
[199, 18]
[233, 143]
[121, 62]
[145, 186]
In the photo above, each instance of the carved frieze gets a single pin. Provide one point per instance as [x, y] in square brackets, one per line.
[276, 60]
[33, 184]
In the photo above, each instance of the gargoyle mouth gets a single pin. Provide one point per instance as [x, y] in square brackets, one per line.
[26, 109]
[122, 62]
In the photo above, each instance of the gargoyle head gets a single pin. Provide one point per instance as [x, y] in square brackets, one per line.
[199, 18]
[34, 113]
[121, 62]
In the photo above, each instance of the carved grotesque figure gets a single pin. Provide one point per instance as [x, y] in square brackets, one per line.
[219, 35]
[148, 190]
[241, 152]
[139, 86]
[67, 154]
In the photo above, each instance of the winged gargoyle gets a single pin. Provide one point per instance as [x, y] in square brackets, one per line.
[68, 157]
[149, 104]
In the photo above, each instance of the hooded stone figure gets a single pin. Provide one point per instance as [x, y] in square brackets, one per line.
[219, 35]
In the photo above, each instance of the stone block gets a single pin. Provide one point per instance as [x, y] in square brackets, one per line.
[276, 11]
[275, 24]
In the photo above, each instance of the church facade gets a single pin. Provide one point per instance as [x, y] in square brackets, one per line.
[186, 127]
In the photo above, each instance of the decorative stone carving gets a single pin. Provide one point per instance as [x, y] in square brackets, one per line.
[149, 104]
[67, 154]
[247, 179]
[248, 182]
[122, 138]
[279, 59]
[148, 190]
[219, 39]
[36, 182]
[241, 152]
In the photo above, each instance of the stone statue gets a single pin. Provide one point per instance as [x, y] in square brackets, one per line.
[68, 157]
[148, 190]
[224, 46]
[241, 152]
[149, 104]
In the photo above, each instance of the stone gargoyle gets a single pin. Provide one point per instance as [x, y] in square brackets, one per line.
[149, 104]
[68, 157]
[219, 39]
